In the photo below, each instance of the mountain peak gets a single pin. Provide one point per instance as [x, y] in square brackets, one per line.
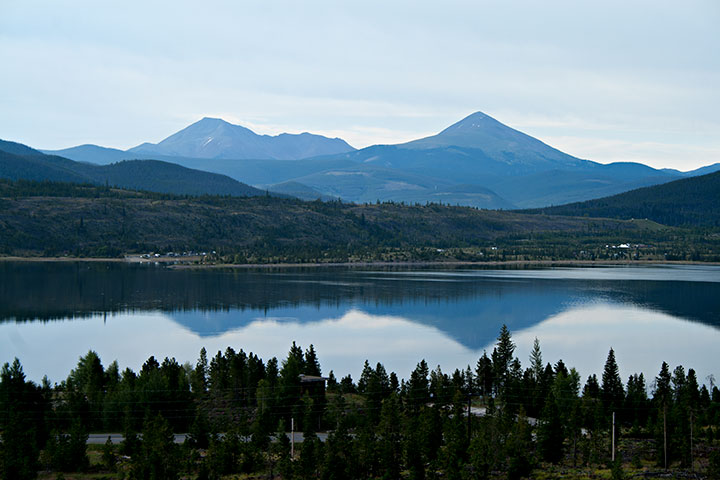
[212, 121]
[475, 122]
[212, 137]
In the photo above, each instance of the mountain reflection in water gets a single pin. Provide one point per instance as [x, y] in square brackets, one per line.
[648, 314]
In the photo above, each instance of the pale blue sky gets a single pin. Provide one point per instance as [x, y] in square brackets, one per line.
[606, 81]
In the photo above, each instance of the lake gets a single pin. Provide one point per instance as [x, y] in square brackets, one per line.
[52, 313]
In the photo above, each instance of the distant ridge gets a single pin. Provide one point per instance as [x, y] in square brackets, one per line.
[477, 161]
[216, 138]
[18, 161]
[691, 201]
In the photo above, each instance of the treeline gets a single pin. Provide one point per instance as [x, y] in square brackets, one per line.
[237, 409]
[56, 219]
[692, 202]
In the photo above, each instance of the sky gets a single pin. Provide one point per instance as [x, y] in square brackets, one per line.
[605, 81]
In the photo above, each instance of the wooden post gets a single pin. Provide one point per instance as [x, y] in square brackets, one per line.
[292, 438]
[469, 420]
[665, 434]
[692, 463]
[613, 438]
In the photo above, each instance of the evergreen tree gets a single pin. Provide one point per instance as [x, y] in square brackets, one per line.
[22, 411]
[365, 377]
[157, 458]
[454, 451]
[109, 459]
[550, 431]
[502, 356]
[418, 386]
[390, 447]
[68, 452]
[663, 390]
[312, 364]
[484, 375]
[663, 399]
[519, 450]
[612, 392]
[536, 362]
[636, 401]
[591, 388]
[281, 448]
[199, 375]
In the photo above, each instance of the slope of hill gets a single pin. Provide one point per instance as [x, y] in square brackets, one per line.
[298, 190]
[148, 175]
[216, 138]
[55, 219]
[95, 154]
[687, 202]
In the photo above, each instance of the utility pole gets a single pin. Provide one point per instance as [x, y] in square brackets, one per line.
[469, 420]
[692, 463]
[613, 438]
[292, 438]
[665, 433]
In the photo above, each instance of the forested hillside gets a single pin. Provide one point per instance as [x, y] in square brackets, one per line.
[40, 218]
[18, 161]
[688, 202]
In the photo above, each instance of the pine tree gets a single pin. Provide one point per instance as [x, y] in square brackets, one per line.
[612, 392]
[22, 413]
[536, 362]
[390, 446]
[365, 376]
[157, 458]
[550, 431]
[484, 375]
[591, 388]
[663, 390]
[502, 356]
[312, 364]
[418, 386]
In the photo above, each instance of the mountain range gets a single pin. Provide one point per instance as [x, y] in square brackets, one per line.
[216, 138]
[477, 161]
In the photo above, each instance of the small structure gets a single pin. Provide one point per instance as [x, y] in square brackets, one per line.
[313, 385]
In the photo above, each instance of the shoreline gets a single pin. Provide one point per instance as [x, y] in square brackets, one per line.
[180, 264]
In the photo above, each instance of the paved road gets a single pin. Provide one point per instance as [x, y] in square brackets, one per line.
[101, 438]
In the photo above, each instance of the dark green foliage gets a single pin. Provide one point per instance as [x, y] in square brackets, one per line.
[502, 356]
[418, 431]
[109, 459]
[157, 457]
[68, 452]
[519, 450]
[612, 391]
[339, 462]
[691, 201]
[713, 470]
[389, 433]
[551, 436]
[616, 470]
[85, 220]
[312, 364]
[281, 450]
[484, 375]
[22, 423]
[418, 387]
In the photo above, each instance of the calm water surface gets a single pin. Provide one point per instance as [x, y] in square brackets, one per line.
[50, 314]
